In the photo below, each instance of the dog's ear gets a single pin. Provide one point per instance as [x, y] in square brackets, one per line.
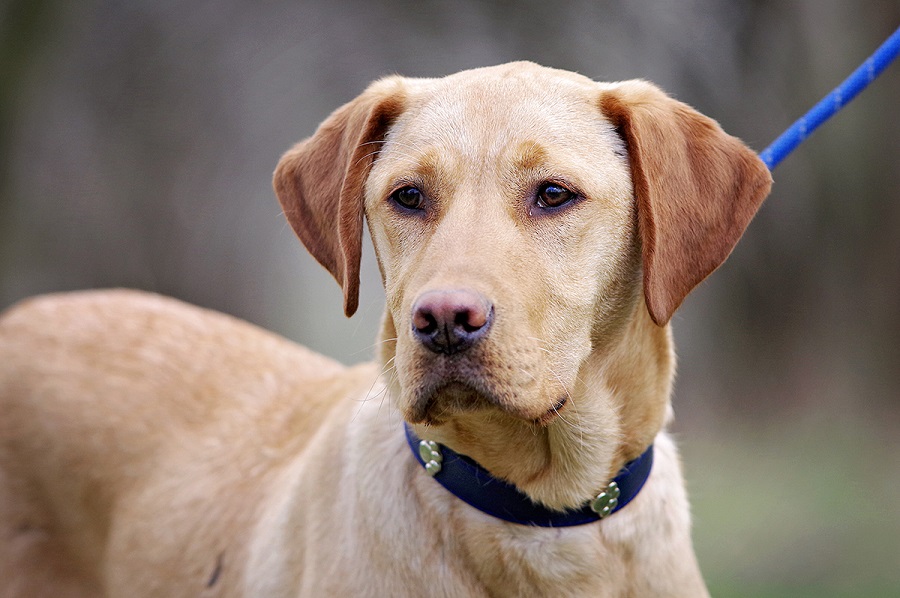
[319, 182]
[696, 189]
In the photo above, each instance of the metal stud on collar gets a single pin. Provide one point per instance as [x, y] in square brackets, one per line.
[606, 501]
[430, 451]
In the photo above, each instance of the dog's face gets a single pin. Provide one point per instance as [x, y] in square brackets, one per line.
[520, 215]
[504, 200]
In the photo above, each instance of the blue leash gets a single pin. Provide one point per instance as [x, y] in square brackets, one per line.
[830, 104]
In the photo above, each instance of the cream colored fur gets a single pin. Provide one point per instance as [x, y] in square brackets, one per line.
[150, 448]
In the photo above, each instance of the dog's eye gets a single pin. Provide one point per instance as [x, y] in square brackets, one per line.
[408, 197]
[551, 195]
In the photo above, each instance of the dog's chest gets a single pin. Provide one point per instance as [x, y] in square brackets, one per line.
[512, 560]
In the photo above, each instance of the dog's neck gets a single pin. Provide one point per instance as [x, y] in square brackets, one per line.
[619, 405]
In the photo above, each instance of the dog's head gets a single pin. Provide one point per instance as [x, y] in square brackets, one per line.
[524, 219]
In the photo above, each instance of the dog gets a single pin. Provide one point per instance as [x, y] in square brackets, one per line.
[535, 231]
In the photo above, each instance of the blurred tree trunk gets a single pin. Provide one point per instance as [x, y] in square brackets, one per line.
[23, 24]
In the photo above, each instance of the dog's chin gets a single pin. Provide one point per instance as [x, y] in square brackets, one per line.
[435, 406]
[442, 403]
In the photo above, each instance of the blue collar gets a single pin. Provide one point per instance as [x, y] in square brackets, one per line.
[471, 483]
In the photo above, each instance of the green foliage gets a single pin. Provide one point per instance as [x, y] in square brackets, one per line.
[807, 508]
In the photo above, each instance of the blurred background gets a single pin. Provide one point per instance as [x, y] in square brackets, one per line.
[137, 141]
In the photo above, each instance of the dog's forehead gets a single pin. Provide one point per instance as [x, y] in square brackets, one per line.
[486, 110]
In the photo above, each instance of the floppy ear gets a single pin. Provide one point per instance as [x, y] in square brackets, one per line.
[696, 189]
[319, 182]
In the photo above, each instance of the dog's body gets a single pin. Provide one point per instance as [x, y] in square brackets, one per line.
[535, 231]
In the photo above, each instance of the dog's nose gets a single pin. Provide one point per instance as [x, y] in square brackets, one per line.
[450, 321]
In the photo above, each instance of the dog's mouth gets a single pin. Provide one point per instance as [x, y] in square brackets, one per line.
[551, 414]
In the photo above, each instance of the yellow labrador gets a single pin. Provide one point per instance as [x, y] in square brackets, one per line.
[535, 230]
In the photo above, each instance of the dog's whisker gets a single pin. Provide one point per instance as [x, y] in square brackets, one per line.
[381, 149]
[415, 148]
[396, 146]
[389, 369]
[375, 345]
[384, 369]
[368, 396]
[386, 392]
[369, 155]
[527, 373]
[540, 344]
[576, 425]
[399, 154]
[412, 160]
